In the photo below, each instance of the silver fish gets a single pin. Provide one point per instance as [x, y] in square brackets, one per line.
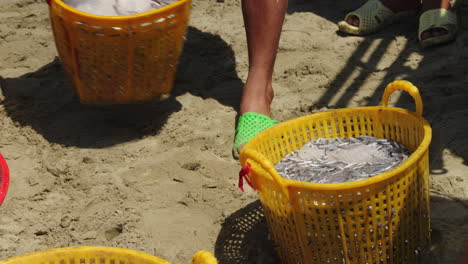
[335, 160]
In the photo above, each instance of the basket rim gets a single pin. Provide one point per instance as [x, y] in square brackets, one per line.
[85, 249]
[416, 155]
[4, 178]
[121, 18]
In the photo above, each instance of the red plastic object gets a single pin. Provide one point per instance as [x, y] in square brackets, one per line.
[4, 178]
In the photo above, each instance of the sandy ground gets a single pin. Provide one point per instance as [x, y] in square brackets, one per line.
[160, 177]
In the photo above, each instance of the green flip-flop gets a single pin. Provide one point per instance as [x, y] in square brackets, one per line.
[248, 126]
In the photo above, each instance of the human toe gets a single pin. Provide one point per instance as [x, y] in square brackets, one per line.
[353, 20]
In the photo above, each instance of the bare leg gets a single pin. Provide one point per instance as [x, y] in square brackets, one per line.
[263, 23]
[464, 259]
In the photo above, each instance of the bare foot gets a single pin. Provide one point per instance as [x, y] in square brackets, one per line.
[257, 95]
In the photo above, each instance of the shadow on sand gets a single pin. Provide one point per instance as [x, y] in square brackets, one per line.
[45, 101]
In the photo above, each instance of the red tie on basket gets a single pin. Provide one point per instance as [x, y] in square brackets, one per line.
[4, 178]
[243, 175]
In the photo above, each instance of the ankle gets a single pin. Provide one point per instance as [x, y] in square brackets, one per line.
[257, 97]
[256, 104]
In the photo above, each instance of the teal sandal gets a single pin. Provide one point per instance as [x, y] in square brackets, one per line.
[373, 16]
[438, 18]
[249, 125]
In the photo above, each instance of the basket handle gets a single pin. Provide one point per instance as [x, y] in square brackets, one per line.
[203, 257]
[268, 166]
[404, 86]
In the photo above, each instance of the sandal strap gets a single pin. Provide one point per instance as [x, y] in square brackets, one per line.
[438, 18]
[367, 14]
[249, 125]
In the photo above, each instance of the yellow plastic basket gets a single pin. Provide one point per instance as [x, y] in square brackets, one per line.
[98, 255]
[382, 219]
[120, 59]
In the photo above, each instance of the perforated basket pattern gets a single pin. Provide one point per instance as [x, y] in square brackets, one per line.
[382, 219]
[99, 255]
[120, 59]
[86, 255]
